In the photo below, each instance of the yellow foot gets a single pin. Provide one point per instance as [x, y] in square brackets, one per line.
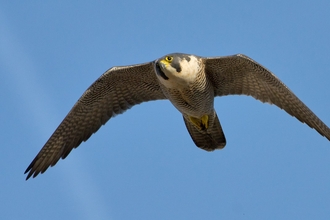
[201, 123]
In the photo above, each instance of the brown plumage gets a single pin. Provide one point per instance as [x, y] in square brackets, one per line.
[183, 79]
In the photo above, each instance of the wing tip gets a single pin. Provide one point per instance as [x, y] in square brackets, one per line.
[29, 174]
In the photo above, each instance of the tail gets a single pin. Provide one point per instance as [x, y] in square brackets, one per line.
[209, 138]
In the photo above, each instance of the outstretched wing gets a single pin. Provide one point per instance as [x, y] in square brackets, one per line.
[117, 90]
[240, 75]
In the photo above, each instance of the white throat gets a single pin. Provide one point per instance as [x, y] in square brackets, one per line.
[188, 74]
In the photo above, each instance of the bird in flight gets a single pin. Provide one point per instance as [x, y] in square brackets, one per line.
[189, 82]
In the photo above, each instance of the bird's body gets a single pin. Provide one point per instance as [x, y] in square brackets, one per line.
[190, 82]
[189, 90]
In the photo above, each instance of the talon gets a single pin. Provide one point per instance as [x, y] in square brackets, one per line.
[201, 123]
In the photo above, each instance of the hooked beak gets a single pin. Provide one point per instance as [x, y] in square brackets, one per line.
[160, 65]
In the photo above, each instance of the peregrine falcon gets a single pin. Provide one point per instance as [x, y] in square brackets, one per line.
[189, 82]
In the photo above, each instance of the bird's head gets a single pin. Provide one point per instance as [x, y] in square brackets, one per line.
[177, 69]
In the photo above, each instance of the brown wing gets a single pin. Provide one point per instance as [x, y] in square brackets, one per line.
[240, 75]
[115, 91]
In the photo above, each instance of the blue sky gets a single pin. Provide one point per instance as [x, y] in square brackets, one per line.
[143, 164]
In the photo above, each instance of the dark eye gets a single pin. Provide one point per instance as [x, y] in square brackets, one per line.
[169, 58]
